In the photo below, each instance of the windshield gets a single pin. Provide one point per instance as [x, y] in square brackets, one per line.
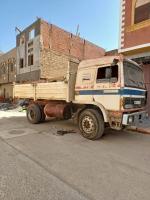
[133, 75]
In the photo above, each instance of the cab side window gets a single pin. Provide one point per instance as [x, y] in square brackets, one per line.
[107, 74]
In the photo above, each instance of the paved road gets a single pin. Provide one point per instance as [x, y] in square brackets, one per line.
[36, 163]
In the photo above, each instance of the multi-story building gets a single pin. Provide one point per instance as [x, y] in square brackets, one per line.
[43, 51]
[134, 40]
[7, 73]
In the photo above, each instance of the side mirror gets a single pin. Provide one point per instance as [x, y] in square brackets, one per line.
[115, 61]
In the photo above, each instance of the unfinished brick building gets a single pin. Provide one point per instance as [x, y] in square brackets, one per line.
[135, 35]
[7, 73]
[44, 50]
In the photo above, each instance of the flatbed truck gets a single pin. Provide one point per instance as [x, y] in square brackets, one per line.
[107, 91]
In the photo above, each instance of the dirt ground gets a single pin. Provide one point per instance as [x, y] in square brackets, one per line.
[36, 163]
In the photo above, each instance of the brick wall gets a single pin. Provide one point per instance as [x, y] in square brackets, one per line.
[92, 51]
[54, 65]
[8, 66]
[138, 37]
[113, 52]
[52, 49]
[77, 47]
[64, 42]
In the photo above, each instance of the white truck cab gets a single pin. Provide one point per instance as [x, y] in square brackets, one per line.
[116, 86]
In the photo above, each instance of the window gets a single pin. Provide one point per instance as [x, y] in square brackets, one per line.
[11, 67]
[31, 34]
[30, 50]
[142, 11]
[21, 63]
[108, 74]
[11, 64]
[4, 68]
[30, 60]
[30, 44]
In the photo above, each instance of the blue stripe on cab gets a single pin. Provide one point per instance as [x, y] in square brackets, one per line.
[91, 92]
[112, 92]
[131, 92]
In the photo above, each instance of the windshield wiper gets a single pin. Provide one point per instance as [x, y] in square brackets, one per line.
[136, 83]
[133, 80]
[141, 83]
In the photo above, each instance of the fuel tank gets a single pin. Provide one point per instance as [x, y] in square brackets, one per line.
[60, 111]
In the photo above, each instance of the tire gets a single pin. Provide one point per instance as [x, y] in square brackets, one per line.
[91, 124]
[43, 116]
[34, 114]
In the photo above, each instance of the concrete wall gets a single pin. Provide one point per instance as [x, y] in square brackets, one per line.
[25, 48]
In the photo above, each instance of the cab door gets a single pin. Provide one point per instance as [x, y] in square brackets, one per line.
[85, 85]
[106, 87]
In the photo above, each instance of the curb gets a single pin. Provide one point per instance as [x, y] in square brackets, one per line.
[140, 130]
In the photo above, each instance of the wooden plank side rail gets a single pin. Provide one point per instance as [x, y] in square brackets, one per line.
[48, 91]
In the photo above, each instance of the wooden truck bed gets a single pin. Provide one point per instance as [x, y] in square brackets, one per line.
[48, 91]
[54, 90]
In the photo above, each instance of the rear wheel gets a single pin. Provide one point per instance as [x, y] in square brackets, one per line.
[91, 124]
[34, 114]
[43, 116]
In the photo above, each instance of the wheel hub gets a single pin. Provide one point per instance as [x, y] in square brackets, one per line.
[31, 114]
[88, 124]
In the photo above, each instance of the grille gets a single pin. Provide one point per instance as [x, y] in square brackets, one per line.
[134, 102]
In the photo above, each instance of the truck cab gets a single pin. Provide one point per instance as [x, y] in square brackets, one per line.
[115, 86]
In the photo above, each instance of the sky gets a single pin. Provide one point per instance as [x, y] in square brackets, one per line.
[98, 19]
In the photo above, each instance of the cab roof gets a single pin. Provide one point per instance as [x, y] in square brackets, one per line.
[103, 61]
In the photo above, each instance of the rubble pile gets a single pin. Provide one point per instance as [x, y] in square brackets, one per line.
[6, 106]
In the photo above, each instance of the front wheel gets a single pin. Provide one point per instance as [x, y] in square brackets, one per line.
[91, 124]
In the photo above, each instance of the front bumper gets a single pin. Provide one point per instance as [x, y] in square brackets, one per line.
[134, 118]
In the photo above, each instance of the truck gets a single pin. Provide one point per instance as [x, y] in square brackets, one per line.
[103, 92]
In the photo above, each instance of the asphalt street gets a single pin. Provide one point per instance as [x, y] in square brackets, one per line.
[36, 163]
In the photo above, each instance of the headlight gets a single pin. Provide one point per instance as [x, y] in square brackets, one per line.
[133, 102]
